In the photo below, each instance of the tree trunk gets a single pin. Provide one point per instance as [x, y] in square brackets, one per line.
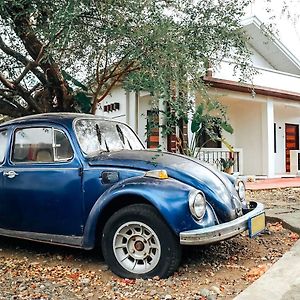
[57, 87]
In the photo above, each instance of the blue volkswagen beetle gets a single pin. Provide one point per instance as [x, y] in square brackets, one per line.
[76, 180]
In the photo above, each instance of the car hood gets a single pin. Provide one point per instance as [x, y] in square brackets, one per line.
[217, 188]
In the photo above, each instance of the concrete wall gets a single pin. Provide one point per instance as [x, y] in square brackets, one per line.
[258, 60]
[246, 119]
[266, 77]
[117, 95]
[133, 109]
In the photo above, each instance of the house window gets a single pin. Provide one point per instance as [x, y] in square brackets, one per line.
[152, 129]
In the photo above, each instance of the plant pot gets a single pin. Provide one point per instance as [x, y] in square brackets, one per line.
[229, 170]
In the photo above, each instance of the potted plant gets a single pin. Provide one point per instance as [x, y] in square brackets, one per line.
[227, 164]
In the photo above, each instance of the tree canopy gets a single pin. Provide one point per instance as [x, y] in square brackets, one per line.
[67, 55]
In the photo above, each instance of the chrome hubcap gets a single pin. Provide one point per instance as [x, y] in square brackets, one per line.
[136, 247]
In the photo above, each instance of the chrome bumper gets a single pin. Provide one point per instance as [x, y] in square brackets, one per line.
[222, 231]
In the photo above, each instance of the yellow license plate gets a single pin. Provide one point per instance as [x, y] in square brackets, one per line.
[257, 224]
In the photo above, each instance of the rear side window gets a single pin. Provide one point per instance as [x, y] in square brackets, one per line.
[3, 144]
[41, 145]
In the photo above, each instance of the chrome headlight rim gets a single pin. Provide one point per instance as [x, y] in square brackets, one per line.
[241, 189]
[196, 198]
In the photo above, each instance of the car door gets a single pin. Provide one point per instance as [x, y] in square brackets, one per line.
[42, 180]
[4, 205]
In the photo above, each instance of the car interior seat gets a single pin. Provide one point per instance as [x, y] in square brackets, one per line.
[44, 155]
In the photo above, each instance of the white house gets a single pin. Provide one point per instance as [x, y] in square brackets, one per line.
[265, 116]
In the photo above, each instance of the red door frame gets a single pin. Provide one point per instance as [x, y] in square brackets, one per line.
[291, 142]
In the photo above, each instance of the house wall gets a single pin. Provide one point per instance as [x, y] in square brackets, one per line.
[266, 77]
[246, 119]
[133, 109]
[117, 95]
[258, 60]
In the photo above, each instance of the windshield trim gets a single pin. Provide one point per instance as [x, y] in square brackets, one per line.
[100, 119]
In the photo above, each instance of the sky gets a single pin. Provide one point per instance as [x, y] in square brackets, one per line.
[288, 28]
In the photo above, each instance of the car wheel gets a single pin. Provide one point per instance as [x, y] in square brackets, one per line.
[137, 243]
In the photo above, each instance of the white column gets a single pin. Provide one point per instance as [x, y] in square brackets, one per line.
[127, 103]
[270, 139]
[162, 120]
[131, 110]
[190, 117]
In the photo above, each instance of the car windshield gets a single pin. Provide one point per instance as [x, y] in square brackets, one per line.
[96, 136]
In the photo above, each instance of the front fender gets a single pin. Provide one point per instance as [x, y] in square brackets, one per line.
[168, 196]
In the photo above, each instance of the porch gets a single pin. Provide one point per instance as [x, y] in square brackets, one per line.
[266, 129]
[214, 156]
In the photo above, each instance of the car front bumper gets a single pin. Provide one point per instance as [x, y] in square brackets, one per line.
[221, 231]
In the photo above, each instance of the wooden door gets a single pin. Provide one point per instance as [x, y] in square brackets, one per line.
[291, 142]
[152, 129]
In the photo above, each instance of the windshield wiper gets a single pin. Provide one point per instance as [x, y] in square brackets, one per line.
[122, 137]
[99, 136]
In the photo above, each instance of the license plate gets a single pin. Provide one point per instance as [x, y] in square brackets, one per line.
[257, 224]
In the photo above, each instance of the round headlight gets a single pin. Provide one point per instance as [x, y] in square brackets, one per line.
[197, 204]
[241, 189]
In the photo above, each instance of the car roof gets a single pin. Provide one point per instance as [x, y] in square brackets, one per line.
[51, 117]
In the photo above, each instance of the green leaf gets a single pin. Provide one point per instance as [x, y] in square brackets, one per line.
[197, 118]
[83, 101]
[200, 108]
[196, 124]
[68, 77]
[185, 119]
[210, 106]
[227, 127]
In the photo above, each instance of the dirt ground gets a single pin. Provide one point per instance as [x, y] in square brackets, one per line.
[288, 198]
[30, 270]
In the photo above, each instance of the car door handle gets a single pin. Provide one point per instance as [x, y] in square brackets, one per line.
[10, 174]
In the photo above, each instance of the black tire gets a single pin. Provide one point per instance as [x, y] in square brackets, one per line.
[166, 260]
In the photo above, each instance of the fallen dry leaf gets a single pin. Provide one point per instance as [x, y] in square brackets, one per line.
[276, 227]
[74, 276]
[256, 272]
[128, 281]
[293, 236]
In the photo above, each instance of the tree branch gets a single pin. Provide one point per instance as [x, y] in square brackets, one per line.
[30, 66]
[9, 109]
[6, 82]
[21, 91]
[22, 59]
[11, 99]
[96, 101]
[55, 84]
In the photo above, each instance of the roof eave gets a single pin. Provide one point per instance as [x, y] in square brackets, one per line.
[248, 88]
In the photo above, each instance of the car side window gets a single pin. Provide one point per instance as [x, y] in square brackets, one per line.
[3, 144]
[62, 147]
[41, 145]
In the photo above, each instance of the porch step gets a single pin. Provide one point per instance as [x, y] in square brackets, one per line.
[273, 183]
